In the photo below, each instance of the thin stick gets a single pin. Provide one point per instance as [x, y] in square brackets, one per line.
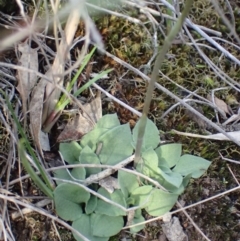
[160, 58]
[236, 180]
[193, 223]
[39, 204]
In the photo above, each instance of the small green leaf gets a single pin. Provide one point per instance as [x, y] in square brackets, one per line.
[79, 173]
[172, 178]
[67, 210]
[130, 201]
[138, 213]
[137, 220]
[127, 181]
[166, 169]
[168, 186]
[169, 153]
[70, 152]
[107, 208]
[186, 180]
[91, 204]
[151, 137]
[106, 123]
[64, 100]
[84, 226]
[161, 202]
[62, 174]
[142, 196]
[88, 156]
[189, 164]
[67, 198]
[116, 145]
[149, 166]
[209, 81]
[175, 190]
[106, 226]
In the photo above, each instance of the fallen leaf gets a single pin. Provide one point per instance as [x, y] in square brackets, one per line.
[36, 106]
[221, 105]
[109, 183]
[26, 80]
[81, 124]
[74, 129]
[201, 123]
[53, 159]
[94, 108]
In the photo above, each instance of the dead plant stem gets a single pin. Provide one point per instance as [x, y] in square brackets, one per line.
[160, 58]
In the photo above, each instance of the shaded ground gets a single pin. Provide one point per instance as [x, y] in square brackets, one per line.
[219, 218]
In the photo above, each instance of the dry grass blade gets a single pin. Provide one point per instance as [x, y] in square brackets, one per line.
[5, 174]
[219, 136]
[25, 211]
[26, 80]
[36, 106]
[52, 92]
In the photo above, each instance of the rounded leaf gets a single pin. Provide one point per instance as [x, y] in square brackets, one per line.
[106, 226]
[116, 145]
[149, 166]
[106, 123]
[169, 153]
[83, 226]
[161, 202]
[70, 152]
[128, 182]
[107, 208]
[172, 178]
[142, 195]
[194, 165]
[151, 137]
[91, 204]
[67, 198]
[88, 156]
[67, 210]
[78, 173]
[139, 227]
[62, 174]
